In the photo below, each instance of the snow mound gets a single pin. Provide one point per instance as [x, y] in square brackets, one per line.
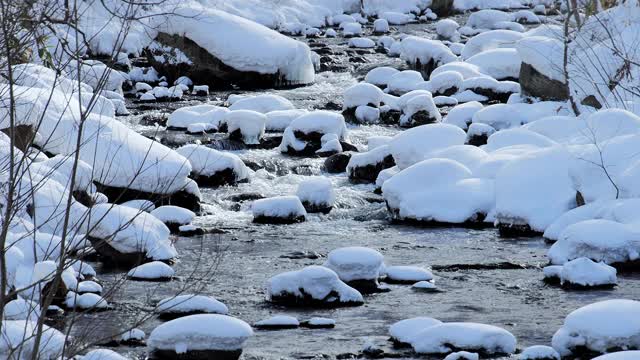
[278, 321]
[316, 192]
[246, 125]
[170, 214]
[362, 94]
[412, 146]
[462, 355]
[209, 162]
[355, 263]
[280, 207]
[622, 355]
[280, 119]
[609, 324]
[200, 333]
[407, 274]
[155, 270]
[262, 103]
[103, 354]
[443, 338]
[189, 115]
[311, 285]
[404, 331]
[380, 76]
[187, 304]
[539, 352]
[583, 272]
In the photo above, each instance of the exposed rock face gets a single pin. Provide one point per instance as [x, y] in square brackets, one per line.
[277, 220]
[209, 70]
[442, 8]
[533, 83]
[116, 258]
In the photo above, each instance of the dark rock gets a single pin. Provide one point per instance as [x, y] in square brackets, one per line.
[210, 70]
[391, 117]
[114, 257]
[332, 300]
[332, 106]
[369, 173]
[507, 230]
[298, 255]
[492, 94]
[278, 220]
[275, 326]
[477, 139]
[337, 163]
[195, 355]
[442, 8]
[154, 119]
[591, 101]
[219, 178]
[244, 197]
[180, 198]
[368, 286]
[420, 118]
[23, 136]
[534, 84]
[83, 198]
[315, 208]
[306, 324]
[348, 147]
[504, 265]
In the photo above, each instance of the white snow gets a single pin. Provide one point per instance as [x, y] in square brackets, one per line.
[416, 49]
[404, 81]
[461, 115]
[133, 334]
[188, 303]
[462, 355]
[585, 272]
[411, 146]
[103, 354]
[380, 76]
[152, 271]
[621, 355]
[200, 332]
[279, 120]
[363, 43]
[207, 114]
[498, 63]
[419, 103]
[448, 29]
[87, 301]
[355, 263]
[173, 214]
[262, 103]
[380, 26]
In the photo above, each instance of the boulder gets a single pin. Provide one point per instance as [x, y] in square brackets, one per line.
[535, 84]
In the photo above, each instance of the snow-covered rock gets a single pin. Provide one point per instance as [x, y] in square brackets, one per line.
[359, 267]
[277, 121]
[598, 327]
[444, 338]
[380, 26]
[407, 274]
[152, 271]
[278, 210]
[173, 216]
[583, 273]
[238, 51]
[210, 335]
[246, 125]
[262, 103]
[403, 331]
[404, 82]
[316, 195]
[462, 355]
[419, 110]
[214, 168]
[539, 352]
[87, 301]
[278, 322]
[18, 336]
[188, 304]
[361, 43]
[365, 167]
[181, 118]
[313, 285]
[425, 55]
[303, 136]
[380, 76]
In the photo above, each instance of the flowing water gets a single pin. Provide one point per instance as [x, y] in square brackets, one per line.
[506, 290]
